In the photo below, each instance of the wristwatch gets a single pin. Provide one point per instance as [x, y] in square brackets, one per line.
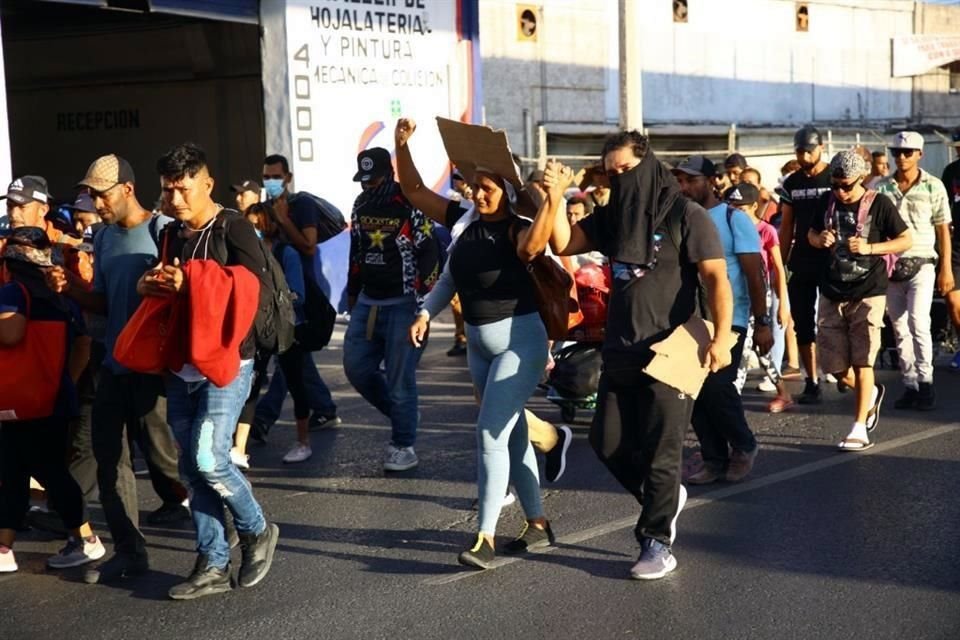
[761, 321]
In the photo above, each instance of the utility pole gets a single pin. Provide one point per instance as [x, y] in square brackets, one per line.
[631, 71]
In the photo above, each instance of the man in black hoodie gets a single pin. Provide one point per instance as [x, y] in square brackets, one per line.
[660, 246]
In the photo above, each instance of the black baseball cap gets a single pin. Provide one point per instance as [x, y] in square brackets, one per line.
[697, 166]
[28, 189]
[246, 185]
[743, 193]
[807, 138]
[83, 203]
[373, 163]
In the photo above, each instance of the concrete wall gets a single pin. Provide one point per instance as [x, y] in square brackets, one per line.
[736, 61]
[933, 101]
[567, 78]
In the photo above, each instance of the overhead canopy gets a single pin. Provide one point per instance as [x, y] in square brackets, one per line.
[916, 55]
[225, 10]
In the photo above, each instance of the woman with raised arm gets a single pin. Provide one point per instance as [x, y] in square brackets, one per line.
[506, 339]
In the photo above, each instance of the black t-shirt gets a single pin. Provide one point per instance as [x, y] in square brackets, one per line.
[854, 277]
[492, 282]
[645, 309]
[803, 193]
[951, 180]
[243, 249]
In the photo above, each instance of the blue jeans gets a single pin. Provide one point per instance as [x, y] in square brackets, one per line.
[392, 390]
[203, 418]
[270, 406]
[506, 360]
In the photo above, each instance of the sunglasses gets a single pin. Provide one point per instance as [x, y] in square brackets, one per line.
[845, 188]
[906, 153]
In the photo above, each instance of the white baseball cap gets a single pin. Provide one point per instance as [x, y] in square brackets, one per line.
[907, 140]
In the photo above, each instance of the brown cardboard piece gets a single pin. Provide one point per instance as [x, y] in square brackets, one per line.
[472, 145]
[678, 359]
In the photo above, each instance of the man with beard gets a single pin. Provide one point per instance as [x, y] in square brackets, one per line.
[799, 203]
[660, 246]
[727, 444]
[129, 406]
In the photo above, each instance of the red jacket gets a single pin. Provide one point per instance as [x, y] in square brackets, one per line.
[221, 303]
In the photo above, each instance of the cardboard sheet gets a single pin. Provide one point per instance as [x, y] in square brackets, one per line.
[678, 359]
[472, 145]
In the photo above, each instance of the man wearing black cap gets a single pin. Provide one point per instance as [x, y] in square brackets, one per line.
[83, 214]
[248, 193]
[727, 444]
[394, 262]
[799, 203]
[129, 406]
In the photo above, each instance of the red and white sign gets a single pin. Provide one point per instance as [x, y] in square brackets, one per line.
[916, 55]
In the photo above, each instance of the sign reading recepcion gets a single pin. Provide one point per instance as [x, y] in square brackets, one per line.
[353, 69]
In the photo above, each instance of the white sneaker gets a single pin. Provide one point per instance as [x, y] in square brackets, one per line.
[509, 499]
[77, 552]
[8, 564]
[829, 377]
[298, 453]
[240, 460]
[400, 458]
[767, 386]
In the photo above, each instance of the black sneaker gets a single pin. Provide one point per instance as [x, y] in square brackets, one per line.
[117, 567]
[873, 415]
[530, 538]
[926, 398]
[169, 513]
[257, 554]
[458, 349]
[908, 400]
[481, 555]
[811, 393]
[204, 581]
[319, 422]
[557, 457]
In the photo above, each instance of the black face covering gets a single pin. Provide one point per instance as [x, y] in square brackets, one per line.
[640, 199]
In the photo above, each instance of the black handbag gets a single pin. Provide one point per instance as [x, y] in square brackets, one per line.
[906, 268]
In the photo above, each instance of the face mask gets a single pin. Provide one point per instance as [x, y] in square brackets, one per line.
[274, 187]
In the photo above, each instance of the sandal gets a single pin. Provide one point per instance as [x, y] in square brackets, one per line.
[779, 404]
[854, 444]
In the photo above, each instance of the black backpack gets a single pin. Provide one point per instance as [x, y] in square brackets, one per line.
[275, 322]
[576, 370]
[319, 315]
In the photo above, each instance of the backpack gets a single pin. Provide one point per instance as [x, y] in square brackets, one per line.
[319, 316]
[330, 220]
[863, 224]
[36, 363]
[276, 321]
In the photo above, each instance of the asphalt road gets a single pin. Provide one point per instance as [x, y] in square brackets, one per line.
[815, 544]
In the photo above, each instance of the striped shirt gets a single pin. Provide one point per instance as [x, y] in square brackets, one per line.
[923, 207]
